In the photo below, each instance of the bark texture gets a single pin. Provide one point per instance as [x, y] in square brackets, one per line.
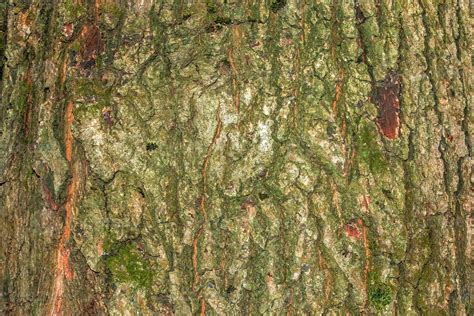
[236, 157]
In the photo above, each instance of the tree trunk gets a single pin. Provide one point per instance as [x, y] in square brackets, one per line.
[235, 157]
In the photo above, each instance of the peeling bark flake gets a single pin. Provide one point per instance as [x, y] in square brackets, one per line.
[387, 98]
[92, 46]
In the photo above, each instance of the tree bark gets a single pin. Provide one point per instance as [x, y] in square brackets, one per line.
[236, 157]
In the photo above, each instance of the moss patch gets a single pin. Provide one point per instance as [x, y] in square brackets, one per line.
[380, 295]
[368, 149]
[127, 265]
[277, 5]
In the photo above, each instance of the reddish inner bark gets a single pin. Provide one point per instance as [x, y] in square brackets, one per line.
[387, 98]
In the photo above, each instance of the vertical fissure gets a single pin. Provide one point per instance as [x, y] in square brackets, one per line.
[3, 39]
[434, 91]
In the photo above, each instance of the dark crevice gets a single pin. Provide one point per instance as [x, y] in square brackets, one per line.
[409, 188]
[460, 216]
[46, 22]
[457, 39]
[3, 38]
[277, 5]
[3, 59]
[461, 238]
[360, 18]
[35, 173]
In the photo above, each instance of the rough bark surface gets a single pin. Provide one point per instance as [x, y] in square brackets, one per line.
[236, 157]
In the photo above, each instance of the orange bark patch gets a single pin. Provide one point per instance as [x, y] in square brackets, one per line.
[24, 22]
[364, 201]
[63, 72]
[63, 269]
[358, 230]
[57, 296]
[352, 230]
[203, 307]
[67, 269]
[100, 248]
[336, 97]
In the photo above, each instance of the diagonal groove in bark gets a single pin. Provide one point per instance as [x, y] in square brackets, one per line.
[461, 218]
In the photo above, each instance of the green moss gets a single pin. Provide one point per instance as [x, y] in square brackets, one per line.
[111, 13]
[92, 87]
[380, 295]
[114, 10]
[368, 149]
[274, 192]
[223, 20]
[127, 265]
[277, 5]
[72, 11]
[211, 7]
[183, 262]
[86, 88]
[75, 46]
[24, 90]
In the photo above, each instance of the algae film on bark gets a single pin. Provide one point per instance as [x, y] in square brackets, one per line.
[223, 157]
